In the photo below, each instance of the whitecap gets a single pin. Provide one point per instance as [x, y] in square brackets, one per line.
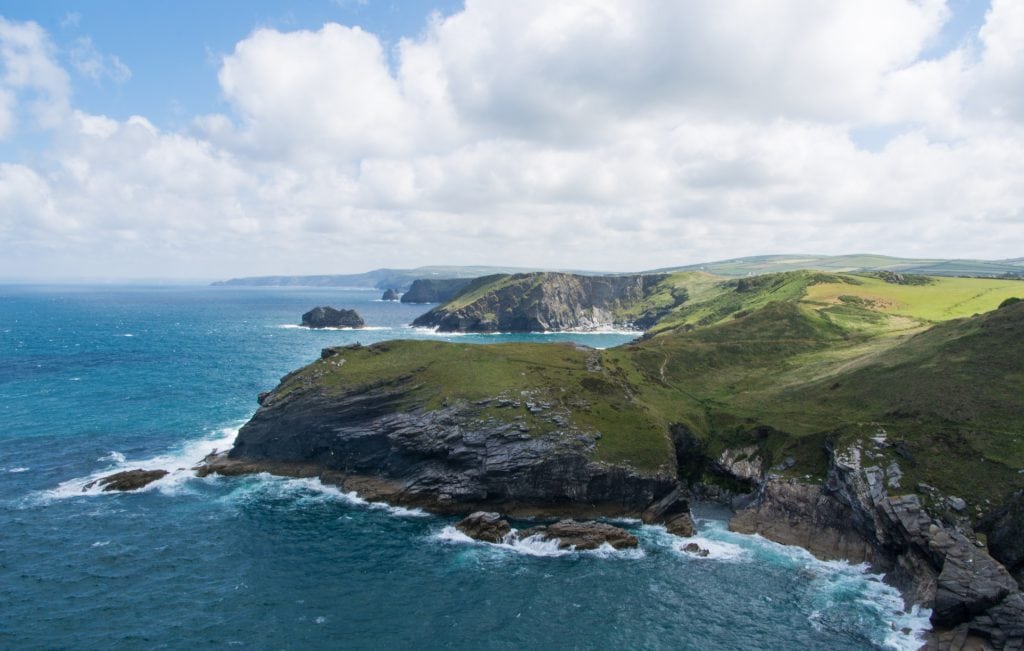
[292, 326]
[113, 456]
[311, 489]
[100, 543]
[18, 469]
[833, 583]
[178, 462]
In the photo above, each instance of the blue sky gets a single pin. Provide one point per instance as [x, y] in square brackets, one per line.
[211, 139]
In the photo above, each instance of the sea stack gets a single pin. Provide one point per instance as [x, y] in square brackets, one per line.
[328, 317]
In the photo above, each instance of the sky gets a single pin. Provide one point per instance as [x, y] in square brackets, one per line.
[210, 140]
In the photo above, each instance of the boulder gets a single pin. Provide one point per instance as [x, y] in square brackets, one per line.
[484, 525]
[127, 480]
[672, 511]
[328, 317]
[696, 550]
[582, 535]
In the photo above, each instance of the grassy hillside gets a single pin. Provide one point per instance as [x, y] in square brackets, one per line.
[757, 265]
[785, 362]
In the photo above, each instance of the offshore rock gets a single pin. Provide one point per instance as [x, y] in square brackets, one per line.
[851, 516]
[390, 295]
[127, 480]
[485, 526]
[328, 317]
[582, 536]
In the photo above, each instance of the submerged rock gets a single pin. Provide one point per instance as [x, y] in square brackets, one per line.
[582, 535]
[696, 550]
[127, 480]
[328, 317]
[485, 526]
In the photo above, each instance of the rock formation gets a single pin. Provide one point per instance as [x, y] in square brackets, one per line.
[541, 302]
[434, 290]
[328, 317]
[127, 480]
[852, 516]
[570, 534]
[390, 295]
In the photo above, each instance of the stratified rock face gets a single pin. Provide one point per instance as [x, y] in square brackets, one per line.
[434, 290]
[390, 295]
[452, 459]
[582, 536]
[128, 480]
[852, 516]
[328, 317]
[542, 302]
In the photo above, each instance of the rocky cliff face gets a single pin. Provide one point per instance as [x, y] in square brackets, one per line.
[543, 302]
[430, 290]
[940, 565]
[455, 458]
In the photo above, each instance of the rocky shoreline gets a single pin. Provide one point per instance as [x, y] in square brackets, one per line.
[975, 601]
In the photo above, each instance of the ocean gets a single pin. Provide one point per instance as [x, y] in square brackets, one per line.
[94, 379]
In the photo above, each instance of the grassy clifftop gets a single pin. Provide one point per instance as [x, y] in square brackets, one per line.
[784, 363]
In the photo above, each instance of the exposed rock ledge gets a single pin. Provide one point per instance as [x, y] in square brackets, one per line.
[490, 527]
[974, 599]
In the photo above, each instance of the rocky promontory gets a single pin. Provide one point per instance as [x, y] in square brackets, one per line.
[329, 317]
[549, 301]
[434, 290]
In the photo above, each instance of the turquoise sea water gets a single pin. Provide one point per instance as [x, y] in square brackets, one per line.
[96, 379]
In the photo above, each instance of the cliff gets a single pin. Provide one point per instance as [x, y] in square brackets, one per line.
[434, 290]
[505, 440]
[542, 302]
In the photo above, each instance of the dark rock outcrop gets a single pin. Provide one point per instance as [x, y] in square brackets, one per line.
[852, 516]
[696, 550]
[673, 511]
[1004, 529]
[328, 317]
[452, 459]
[127, 480]
[485, 526]
[390, 295]
[434, 290]
[540, 302]
[582, 536]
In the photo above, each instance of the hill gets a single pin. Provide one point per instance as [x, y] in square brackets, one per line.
[398, 279]
[756, 265]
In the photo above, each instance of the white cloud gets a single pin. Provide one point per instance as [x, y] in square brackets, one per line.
[587, 134]
[31, 81]
[89, 62]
